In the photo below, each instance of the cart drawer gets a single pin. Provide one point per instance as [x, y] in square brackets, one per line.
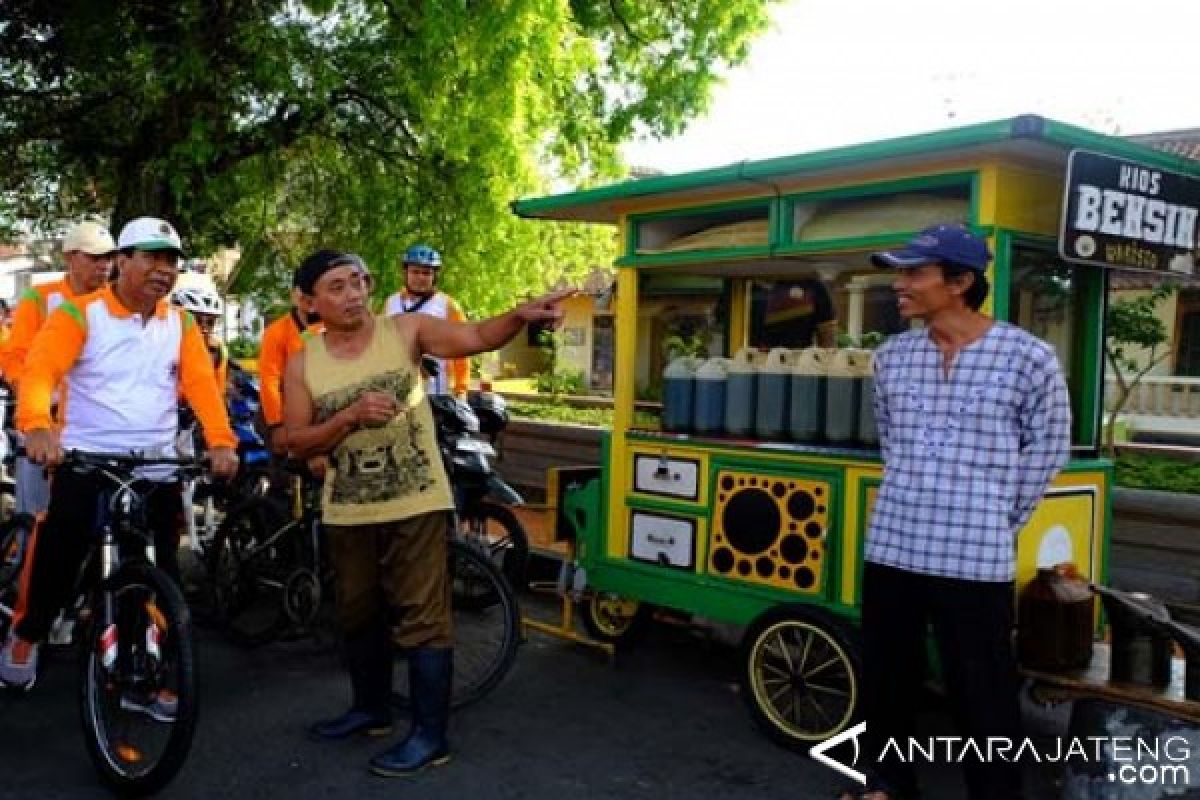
[661, 539]
[667, 476]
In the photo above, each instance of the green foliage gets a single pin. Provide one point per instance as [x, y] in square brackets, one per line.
[650, 393]
[869, 341]
[562, 412]
[872, 339]
[1156, 472]
[560, 381]
[361, 124]
[243, 347]
[678, 345]
[1134, 323]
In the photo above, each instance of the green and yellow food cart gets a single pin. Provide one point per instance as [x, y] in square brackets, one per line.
[768, 533]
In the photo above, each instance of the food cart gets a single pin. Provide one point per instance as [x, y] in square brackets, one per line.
[767, 531]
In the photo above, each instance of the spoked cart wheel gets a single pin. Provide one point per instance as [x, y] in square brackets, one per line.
[610, 617]
[801, 675]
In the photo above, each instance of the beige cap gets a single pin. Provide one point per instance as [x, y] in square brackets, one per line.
[89, 237]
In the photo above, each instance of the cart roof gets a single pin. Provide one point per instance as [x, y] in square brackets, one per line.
[1023, 139]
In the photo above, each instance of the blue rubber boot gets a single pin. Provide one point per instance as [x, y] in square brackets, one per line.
[431, 672]
[369, 658]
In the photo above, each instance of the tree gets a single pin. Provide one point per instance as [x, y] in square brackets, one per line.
[1133, 323]
[364, 123]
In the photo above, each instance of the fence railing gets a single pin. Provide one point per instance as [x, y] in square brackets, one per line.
[1160, 396]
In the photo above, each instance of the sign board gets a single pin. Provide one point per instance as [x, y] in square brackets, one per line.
[1119, 213]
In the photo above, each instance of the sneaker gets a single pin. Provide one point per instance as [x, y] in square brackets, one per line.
[18, 662]
[160, 707]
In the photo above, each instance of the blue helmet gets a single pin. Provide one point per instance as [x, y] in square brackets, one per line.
[423, 255]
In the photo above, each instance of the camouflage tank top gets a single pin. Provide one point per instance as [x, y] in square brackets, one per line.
[386, 473]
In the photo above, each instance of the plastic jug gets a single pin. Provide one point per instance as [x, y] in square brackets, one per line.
[771, 403]
[709, 408]
[679, 379]
[868, 432]
[842, 392]
[806, 411]
[740, 386]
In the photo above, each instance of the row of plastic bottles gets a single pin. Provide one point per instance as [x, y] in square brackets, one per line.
[818, 395]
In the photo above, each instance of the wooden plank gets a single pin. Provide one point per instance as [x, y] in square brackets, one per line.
[1094, 682]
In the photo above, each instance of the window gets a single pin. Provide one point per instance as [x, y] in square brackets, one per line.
[1047, 297]
[1188, 357]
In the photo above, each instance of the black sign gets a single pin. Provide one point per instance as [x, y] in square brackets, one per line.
[1119, 213]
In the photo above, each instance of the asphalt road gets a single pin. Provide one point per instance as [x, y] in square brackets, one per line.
[664, 722]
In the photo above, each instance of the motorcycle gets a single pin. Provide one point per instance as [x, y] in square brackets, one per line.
[254, 477]
[467, 433]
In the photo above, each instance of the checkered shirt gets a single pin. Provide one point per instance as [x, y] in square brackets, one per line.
[966, 458]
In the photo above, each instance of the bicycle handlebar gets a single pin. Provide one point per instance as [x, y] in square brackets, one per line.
[130, 460]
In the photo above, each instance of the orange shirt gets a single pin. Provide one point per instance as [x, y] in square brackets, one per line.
[34, 306]
[126, 376]
[282, 338]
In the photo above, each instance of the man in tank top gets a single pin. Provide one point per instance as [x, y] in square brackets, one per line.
[355, 394]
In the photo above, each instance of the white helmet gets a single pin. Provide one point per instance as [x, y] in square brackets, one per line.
[197, 300]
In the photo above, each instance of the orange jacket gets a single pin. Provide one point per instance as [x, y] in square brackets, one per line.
[35, 305]
[98, 319]
[282, 338]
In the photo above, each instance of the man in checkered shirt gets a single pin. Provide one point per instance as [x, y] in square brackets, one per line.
[974, 422]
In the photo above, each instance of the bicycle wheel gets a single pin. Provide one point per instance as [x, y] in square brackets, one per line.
[14, 543]
[137, 693]
[486, 628]
[497, 529]
[250, 563]
[15, 533]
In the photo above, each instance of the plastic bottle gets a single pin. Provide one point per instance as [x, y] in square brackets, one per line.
[740, 387]
[709, 412]
[806, 412]
[842, 390]
[679, 379]
[771, 402]
[868, 432]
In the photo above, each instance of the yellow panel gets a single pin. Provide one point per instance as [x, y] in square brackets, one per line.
[854, 525]
[777, 530]
[1068, 525]
[1029, 201]
[625, 365]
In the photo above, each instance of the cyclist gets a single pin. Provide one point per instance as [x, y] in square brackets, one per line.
[125, 355]
[197, 295]
[420, 295]
[356, 394]
[280, 340]
[89, 252]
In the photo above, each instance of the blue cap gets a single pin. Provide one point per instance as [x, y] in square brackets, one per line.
[940, 244]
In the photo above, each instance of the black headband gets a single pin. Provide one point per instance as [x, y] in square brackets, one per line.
[312, 268]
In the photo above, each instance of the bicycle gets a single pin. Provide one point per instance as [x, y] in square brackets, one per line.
[135, 634]
[269, 568]
[16, 530]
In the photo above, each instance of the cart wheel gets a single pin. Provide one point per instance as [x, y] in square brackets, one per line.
[612, 618]
[801, 675]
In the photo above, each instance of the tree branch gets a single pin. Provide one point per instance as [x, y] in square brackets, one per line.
[614, 6]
